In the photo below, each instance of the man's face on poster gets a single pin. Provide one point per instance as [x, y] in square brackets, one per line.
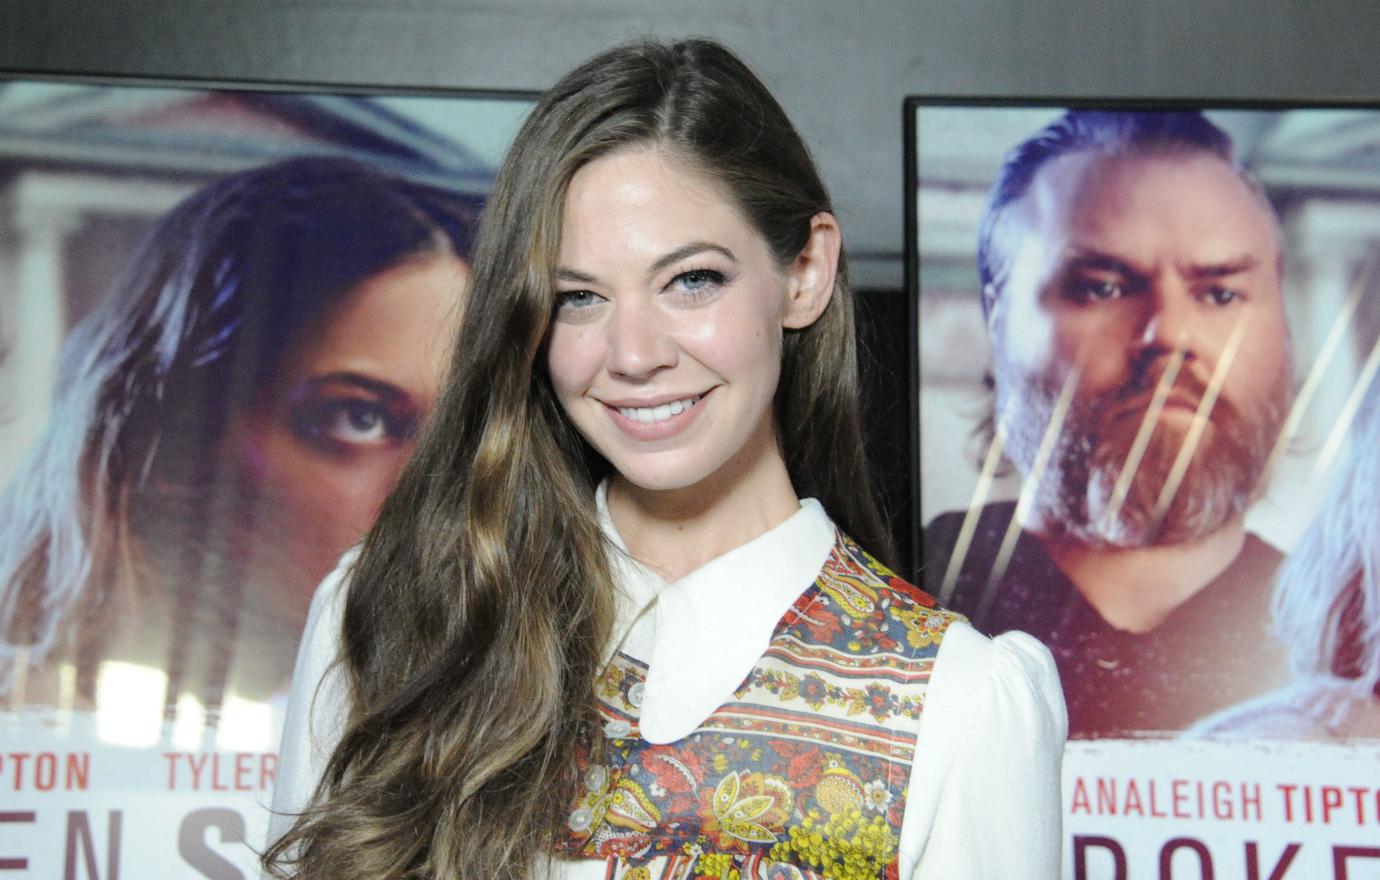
[1141, 355]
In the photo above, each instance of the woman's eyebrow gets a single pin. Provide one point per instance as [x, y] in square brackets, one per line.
[689, 250]
[565, 273]
[384, 390]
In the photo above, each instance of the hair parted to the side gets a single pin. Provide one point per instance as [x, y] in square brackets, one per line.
[481, 603]
[1327, 601]
[124, 512]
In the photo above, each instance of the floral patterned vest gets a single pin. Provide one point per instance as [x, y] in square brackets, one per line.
[802, 774]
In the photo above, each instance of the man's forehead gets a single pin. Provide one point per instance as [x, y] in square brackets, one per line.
[1090, 195]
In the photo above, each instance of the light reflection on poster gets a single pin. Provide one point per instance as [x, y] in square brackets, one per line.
[224, 315]
[1148, 338]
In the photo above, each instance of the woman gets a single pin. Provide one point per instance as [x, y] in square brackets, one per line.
[595, 629]
[226, 422]
[1327, 610]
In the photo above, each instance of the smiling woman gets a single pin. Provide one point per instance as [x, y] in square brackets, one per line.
[227, 422]
[667, 355]
[613, 621]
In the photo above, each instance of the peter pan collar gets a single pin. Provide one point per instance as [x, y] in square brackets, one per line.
[701, 635]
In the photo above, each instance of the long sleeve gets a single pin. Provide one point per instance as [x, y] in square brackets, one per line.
[317, 705]
[984, 799]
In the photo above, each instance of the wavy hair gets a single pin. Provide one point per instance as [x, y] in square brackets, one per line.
[481, 604]
[119, 515]
[1327, 601]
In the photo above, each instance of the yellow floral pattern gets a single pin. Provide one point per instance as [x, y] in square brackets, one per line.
[747, 808]
[923, 627]
[845, 845]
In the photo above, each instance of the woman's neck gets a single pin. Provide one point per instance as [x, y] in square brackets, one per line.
[678, 530]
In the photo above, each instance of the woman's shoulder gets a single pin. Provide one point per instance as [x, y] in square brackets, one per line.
[329, 598]
[1008, 670]
[991, 700]
[992, 735]
[320, 644]
[318, 703]
[973, 676]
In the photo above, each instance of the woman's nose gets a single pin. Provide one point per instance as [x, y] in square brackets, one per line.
[639, 342]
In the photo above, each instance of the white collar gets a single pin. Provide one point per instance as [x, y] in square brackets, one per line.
[703, 633]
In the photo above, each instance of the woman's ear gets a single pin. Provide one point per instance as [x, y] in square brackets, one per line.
[810, 277]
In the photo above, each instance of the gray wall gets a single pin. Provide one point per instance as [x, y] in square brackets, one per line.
[841, 68]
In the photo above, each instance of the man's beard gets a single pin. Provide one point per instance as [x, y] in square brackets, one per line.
[1076, 493]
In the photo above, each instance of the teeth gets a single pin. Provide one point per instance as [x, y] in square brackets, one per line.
[661, 413]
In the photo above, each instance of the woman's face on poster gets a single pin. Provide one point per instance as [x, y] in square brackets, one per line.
[324, 445]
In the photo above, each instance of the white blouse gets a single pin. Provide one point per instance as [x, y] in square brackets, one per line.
[983, 800]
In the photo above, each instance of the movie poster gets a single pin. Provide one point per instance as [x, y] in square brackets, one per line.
[1150, 436]
[223, 316]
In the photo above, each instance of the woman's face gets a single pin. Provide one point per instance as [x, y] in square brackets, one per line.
[326, 444]
[665, 349]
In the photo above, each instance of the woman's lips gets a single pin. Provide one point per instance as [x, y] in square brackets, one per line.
[656, 421]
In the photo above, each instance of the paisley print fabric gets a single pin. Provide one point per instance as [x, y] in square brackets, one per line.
[802, 773]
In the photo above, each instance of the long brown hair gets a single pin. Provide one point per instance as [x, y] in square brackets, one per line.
[481, 603]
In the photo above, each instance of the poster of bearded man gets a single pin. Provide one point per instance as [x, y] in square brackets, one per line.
[1140, 335]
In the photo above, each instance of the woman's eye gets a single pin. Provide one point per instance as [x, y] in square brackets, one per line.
[698, 281]
[359, 423]
[341, 425]
[568, 301]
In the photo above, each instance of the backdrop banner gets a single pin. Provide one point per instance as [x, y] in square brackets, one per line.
[1148, 423]
[223, 315]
